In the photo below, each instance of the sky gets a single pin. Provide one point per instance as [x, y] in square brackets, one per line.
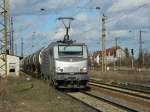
[38, 28]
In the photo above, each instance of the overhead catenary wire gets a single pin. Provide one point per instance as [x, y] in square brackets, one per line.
[125, 12]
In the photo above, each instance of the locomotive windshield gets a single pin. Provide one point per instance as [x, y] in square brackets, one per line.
[70, 50]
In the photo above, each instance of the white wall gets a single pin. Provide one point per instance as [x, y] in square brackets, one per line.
[120, 53]
[12, 63]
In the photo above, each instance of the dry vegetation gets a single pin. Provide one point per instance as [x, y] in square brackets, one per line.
[21, 95]
[122, 76]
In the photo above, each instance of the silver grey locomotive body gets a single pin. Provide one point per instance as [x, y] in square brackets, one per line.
[62, 64]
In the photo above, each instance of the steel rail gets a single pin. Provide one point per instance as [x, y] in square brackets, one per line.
[136, 90]
[86, 104]
[124, 90]
[111, 102]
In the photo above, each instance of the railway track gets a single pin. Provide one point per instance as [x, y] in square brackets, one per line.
[103, 97]
[122, 90]
[105, 102]
[98, 103]
[127, 98]
[121, 87]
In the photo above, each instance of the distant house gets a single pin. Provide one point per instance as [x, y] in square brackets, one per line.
[12, 66]
[112, 55]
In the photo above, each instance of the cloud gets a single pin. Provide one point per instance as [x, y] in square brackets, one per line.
[126, 5]
[134, 20]
[81, 17]
[30, 7]
[119, 33]
[123, 15]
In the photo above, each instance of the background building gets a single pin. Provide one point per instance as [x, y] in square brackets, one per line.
[112, 54]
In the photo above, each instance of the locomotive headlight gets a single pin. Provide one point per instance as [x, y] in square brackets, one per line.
[58, 69]
[84, 69]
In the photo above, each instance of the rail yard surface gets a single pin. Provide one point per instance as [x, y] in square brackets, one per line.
[26, 94]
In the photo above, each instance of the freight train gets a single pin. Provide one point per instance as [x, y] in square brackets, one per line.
[63, 64]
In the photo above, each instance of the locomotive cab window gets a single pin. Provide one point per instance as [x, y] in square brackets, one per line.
[71, 50]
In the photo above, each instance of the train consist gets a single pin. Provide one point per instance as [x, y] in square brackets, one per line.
[63, 64]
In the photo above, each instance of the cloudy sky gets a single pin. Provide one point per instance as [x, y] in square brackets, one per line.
[38, 28]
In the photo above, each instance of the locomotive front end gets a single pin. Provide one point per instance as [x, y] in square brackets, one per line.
[71, 66]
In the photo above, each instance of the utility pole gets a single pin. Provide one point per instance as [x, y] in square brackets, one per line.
[32, 41]
[3, 31]
[119, 52]
[140, 50]
[115, 52]
[116, 43]
[22, 47]
[12, 37]
[132, 61]
[16, 49]
[104, 57]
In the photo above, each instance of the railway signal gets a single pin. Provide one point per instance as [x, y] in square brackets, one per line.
[132, 52]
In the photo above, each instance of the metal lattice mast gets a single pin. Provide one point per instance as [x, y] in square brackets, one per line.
[3, 31]
[141, 62]
[104, 60]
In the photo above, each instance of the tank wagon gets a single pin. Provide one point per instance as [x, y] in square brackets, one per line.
[63, 64]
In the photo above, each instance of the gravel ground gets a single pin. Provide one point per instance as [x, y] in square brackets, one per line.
[99, 104]
[139, 104]
[24, 95]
